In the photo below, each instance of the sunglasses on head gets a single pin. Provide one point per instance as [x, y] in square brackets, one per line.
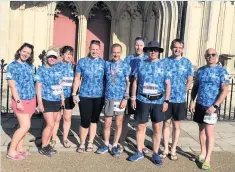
[95, 42]
[208, 55]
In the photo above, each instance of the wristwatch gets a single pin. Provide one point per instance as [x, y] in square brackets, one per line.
[166, 101]
[18, 101]
[126, 97]
[215, 106]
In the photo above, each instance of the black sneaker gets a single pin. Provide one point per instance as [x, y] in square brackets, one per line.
[51, 150]
[45, 151]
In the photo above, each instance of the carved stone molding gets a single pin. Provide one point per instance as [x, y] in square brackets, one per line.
[100, 5]
[126, 16]
[155, 10]
[32, 5]
[15, 4]
[134, 9]
[69, 4]
[151, 16]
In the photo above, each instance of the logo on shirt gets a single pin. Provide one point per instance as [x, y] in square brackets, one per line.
[182, 68]
[101, 68]
[159, 70]
[213, 75]
[57, 73]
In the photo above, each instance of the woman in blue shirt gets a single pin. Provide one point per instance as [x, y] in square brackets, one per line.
[20, 78]
[67, 67]
[91, 70]
[49, 97]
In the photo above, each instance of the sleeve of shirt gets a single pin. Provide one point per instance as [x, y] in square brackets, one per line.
[127, 70]
[190, 69]
[136, 71]
[10, 73]
[38, 75]
[168, 73]
[126, 59]
[224, 77]
[106, 67]
[78, 67]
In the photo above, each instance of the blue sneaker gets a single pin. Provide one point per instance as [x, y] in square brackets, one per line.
[103, 150]
[156, 159]
[137, 156]
[115, 151]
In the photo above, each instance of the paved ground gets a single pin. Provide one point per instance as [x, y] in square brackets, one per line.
[91, 162]
[67, 160]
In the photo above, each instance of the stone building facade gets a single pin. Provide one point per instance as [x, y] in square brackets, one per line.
[201, 25]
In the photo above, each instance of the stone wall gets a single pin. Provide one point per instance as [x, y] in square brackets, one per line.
[208, 24]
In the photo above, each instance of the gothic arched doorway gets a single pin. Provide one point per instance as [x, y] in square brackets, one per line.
[66, 26]
[98, 28]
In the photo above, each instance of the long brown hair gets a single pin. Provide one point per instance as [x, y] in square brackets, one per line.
[30, 60]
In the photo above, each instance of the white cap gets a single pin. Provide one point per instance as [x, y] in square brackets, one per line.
[51, 53]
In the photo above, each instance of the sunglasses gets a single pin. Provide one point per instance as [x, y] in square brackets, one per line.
[153, 49]
[54, 57]
[95, 42]
[208, 55]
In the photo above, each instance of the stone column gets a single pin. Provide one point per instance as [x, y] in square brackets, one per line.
[4, 31]
[112, 33]
[82, 33]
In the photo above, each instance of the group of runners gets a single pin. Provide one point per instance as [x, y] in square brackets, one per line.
[142, 84]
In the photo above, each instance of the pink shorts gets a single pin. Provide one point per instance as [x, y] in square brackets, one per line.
[29, 106]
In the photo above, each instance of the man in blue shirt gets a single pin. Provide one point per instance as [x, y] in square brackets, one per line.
[133, 60]
[181, 71]
[153, 95]
[211, 88]
[117, 74]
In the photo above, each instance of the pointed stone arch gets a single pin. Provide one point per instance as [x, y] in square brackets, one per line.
[65, 30]
[130, 17]
[99, 26]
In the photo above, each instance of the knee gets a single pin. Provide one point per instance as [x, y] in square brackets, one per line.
[141, 127]
[177, 128]
[94, 119]
[58, 118]
[50, 125]
[25, 127]
[166, 124]
[85, 124]
[119, 124]
[107, 125]
[67, 119]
